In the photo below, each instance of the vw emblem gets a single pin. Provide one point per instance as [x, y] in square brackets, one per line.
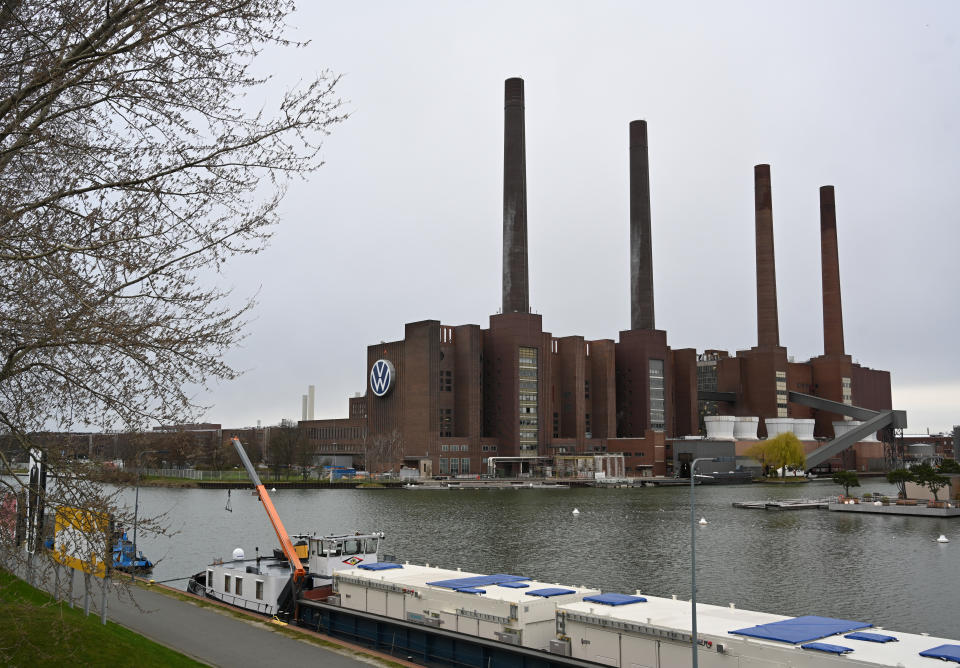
[382, 376]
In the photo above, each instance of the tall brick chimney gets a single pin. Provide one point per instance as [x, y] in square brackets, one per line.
[641, 246]
[768, 328]
[516, 291]
[830, 266]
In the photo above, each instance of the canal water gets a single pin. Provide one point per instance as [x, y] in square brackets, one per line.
[886, 570]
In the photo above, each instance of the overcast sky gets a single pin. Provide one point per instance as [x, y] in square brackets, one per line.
[404, 221]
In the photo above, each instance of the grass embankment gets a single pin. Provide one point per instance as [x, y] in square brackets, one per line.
[35, 630]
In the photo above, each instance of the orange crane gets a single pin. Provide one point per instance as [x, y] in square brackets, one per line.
[289, 552]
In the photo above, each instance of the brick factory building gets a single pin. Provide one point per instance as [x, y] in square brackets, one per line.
[453, 400]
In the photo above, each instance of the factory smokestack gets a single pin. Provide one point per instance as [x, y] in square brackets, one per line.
[516, 292]
[768, 329]
[830, 266]
[641, 246]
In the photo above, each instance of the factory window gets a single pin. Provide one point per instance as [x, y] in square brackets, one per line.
[226, 583]
[259, 590]
[465, 465]
[781, 384]
[443, 466]
[528, 395]
[464, 448]
[238, 586]
[707, 376]
[657, 395]
[454, 466]
[444, 448]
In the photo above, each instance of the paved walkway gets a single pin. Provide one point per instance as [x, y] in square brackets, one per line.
[205, 634]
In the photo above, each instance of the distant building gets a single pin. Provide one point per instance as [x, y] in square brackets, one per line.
[450, 397]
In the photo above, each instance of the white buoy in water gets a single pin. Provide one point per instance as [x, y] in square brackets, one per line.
[943, 539]
[273, 489]
[576, 512]
[703, 520]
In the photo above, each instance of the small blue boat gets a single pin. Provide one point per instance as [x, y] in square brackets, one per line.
[124, 558]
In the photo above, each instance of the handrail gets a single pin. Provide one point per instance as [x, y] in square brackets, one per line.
[263, 607]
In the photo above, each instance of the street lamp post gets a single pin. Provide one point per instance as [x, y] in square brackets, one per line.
[136, 509]
[693, 550]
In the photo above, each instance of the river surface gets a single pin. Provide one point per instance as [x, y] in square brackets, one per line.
[887, 570]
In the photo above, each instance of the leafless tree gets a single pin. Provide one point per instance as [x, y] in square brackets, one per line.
[282, 448]
[131, 172]
[384, 451]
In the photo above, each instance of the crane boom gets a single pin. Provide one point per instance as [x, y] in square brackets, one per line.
[282, 535]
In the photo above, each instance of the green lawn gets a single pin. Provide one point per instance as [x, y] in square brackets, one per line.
[35, 631]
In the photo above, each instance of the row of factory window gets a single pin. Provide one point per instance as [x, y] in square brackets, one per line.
[528, 437]
[446, 422]
[657, 395]
[454, 447]
[847, 391]
[335, 447]
[529, 394]
[319, 433]
[454, 465]
[782, 410]
[446, 381]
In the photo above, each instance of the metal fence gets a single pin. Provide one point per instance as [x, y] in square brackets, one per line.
[194, 474]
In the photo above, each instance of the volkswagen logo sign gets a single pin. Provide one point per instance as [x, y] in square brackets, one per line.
[382, 377]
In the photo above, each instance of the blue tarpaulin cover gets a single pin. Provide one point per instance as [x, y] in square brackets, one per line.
[870, 637]
[477, 581]
[945, 652]
[550, 591]
[827, 647]
[614, 599]
[802, 629]
[471, 590]
[379, 566]
[513, 585]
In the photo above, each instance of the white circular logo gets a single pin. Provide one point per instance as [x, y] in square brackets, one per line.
[382, 377]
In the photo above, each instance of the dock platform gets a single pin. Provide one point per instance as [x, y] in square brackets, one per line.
[787, 504]
[893, 509]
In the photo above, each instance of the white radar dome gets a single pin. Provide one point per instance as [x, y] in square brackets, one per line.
[238, 554]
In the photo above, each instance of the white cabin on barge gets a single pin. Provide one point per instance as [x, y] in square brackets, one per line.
[262, 584]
